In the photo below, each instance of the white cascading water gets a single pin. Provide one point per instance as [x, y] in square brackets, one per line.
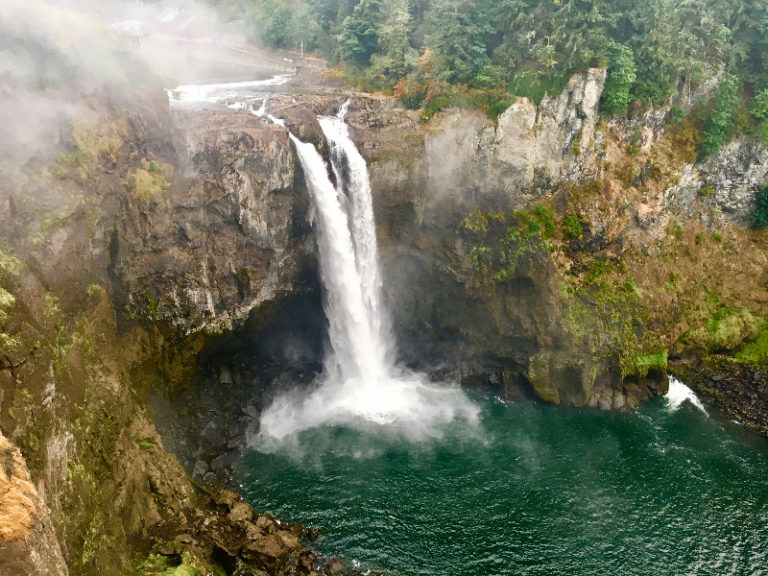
[679, 393]
[361, 385]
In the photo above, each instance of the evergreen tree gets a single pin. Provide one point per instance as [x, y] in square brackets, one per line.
[359, 38]
[622, 74]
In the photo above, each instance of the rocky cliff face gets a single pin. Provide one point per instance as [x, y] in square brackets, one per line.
[427, 179]
[227, 235]
[726, 183]
[118, 250]
[555, 141]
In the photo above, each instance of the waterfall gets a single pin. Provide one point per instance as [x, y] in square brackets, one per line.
[361, 385]
[353, 194]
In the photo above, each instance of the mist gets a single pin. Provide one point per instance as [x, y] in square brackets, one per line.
[56, 55]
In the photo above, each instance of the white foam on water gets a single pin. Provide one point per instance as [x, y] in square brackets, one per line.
[216, 93]
[679, 393]
[261, 110]
[408, 407]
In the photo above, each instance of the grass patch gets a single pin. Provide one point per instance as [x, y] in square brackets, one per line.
[707, 190]
[151, 181]
[572, 227]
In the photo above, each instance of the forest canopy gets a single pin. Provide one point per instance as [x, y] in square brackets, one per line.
[435, 53]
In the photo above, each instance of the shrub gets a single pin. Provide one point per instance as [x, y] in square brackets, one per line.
[760, 213]
[675, 115]
[707, 190]
[546, 217]
[572, 226]
[760, 113]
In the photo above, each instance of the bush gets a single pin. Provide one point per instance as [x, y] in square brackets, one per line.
[760, 213]
[572, 226]
[675, 115]
[760, 113]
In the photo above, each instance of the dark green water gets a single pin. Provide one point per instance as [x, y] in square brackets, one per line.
[539, 490]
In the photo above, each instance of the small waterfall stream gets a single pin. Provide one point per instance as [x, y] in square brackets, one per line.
[361, 384]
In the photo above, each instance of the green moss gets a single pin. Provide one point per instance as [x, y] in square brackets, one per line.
[755, 352]
[604, 310]
[7, 301]
[635, 141]
[673, 284]
[646, 363]
[162, 565]
[545, 214]
[724, 329]
[146, 444]
[93, 539]
[497, 242]
[10, 267]
[572, 226]
[707, 190]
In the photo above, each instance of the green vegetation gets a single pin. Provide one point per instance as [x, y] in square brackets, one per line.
[151, 180]
[645, 364]
[755, 352]
[725, 329]
[760, 112]
[572, 226]
[498, 242]
[720, 124]
[604, 308]
[707, 190]
[10, 268]
[760, 213]
[622, 73]
[438, 53]
[184, 564]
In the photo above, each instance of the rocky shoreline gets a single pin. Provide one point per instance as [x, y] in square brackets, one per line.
[739, 391]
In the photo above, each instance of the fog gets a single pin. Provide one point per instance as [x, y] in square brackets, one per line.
[55, 55]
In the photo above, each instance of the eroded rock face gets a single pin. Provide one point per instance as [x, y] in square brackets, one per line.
[28, 542]
[529, 146]
[426, 179]
[563, 144]
[228, 235]
[723, 188]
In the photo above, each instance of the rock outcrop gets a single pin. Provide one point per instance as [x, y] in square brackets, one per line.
[723, 187]
[227, 236]
[28, 542]
[555, 141]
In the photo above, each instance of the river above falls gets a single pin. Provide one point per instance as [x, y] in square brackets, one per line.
[536, 490]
